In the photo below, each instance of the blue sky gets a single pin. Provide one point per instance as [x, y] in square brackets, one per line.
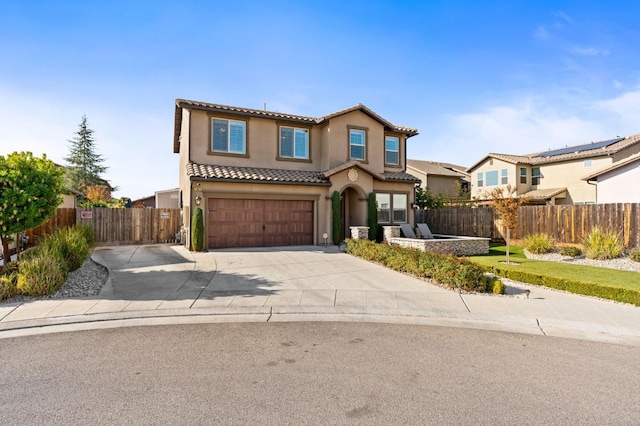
[473, 77]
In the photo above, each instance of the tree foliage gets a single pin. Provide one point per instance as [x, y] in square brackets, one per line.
[372, 216]
[97, 196]
[426, 199]
[506, 202]
[84, 166]
[336, 222]
[197, 230]
[30, 189]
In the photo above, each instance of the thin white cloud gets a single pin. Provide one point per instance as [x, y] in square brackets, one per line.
[588, 51]
[528, 125]
[563, 16]
[541, 33]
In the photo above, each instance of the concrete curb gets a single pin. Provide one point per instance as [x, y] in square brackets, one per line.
[512, 324]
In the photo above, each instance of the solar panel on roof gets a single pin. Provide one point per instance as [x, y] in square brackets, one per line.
[579, 148]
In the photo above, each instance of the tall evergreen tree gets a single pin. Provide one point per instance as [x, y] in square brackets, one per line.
[84, 168]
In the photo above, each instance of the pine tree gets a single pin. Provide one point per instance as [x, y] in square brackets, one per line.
[84, 167]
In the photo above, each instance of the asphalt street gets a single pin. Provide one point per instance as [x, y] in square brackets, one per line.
[315, 373]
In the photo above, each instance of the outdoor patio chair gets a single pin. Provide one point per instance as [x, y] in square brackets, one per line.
[425, 232]
[407, 230]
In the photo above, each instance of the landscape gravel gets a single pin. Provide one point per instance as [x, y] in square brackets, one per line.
[85, 281]
[623, 263]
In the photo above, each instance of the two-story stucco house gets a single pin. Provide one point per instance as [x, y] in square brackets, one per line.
[266, 178]
[554, 176]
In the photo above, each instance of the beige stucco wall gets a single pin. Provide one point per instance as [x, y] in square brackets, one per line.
[568, 174]
[491, 165]
[68, 201]
[167, 199]
[618, 186]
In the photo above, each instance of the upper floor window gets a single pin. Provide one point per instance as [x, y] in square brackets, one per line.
[504, 177]
[587, 163]
[229, 136]
[535, 176]
[294, 142]
[357, 144]
[523, 175]
[480, 179]
[392, 150]
[492, 178]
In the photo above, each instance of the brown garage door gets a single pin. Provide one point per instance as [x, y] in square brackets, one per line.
[259, 223]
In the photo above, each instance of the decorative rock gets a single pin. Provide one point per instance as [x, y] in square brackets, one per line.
[451, 244]
[389, 232]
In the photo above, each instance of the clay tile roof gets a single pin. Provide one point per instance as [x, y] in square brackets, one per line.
[544, 194]
[255, 174]
[435, 168]
[400, 177]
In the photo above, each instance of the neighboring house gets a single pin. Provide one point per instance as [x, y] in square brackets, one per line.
[168, 199]
[266, 178]
[70, 198]
[441, 178]
[144, 203]
[554, 176]
[617, 183]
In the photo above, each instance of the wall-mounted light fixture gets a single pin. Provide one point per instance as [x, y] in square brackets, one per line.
[414, 206]
[198, 198]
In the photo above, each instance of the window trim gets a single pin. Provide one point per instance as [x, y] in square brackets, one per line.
[245, 120]
[480, 179]
[504, 176]
[365, 130]
[523, 177]
[399, 163]
[391, 194]
[279, 156]
[536, 176]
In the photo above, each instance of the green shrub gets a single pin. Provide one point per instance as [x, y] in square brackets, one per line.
[499, 287]
[372, 216]
[539, 243]
[9, 281]
[197, 230]
[579, 287]
[68, 245]
[455, 273]
[336, 220]
[86, 232]
[601, 244]
[571, 251]
[634, 254]
[40, 275]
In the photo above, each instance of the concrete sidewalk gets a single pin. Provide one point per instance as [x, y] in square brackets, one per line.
[163, 284]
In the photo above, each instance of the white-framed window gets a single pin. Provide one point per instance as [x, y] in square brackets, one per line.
[480, 180]
[392, 150]
[535, 176]
[357, 144]
[492, 178]
[228, 136]
[294, 142]
[523, 175]
[384, 207]
[504, 177]
[392, 208]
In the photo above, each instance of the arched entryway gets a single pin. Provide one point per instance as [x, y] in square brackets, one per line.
[353, 210]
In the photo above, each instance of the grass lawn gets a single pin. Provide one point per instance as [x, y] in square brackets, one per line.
[589, 274]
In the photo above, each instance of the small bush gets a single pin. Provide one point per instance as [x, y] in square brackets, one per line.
[68, 245]
[197, 230]
[499, 287]
[445, 269]
[9, 281]
[600, 244]
[634, 254]
[571, 251]
[40, 275]
[539, 243]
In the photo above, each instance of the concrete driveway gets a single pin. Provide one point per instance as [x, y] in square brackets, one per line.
[168, 284]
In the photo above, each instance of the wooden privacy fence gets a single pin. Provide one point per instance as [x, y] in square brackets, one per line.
[566, 223]
[118, 226]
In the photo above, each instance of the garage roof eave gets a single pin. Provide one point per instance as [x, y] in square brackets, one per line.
[273, 182]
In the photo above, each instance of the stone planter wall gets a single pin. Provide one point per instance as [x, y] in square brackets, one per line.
[451, 244]
[389, 232]
[359, 232]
